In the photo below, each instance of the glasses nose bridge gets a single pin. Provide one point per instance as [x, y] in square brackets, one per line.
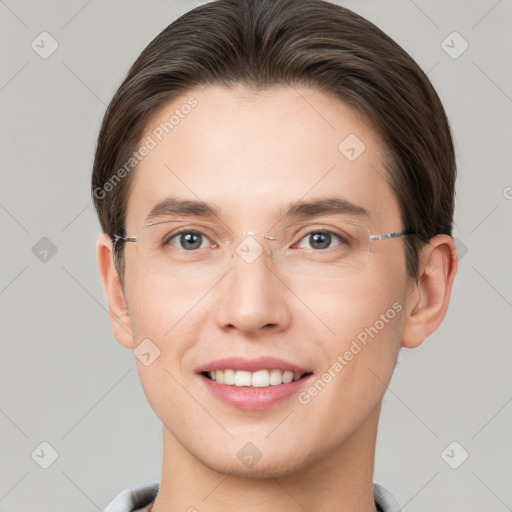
[250, 246]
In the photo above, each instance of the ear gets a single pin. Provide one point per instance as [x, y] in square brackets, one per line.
[118, 311]
[428, 298]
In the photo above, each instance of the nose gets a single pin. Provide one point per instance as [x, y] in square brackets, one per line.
[254, 299]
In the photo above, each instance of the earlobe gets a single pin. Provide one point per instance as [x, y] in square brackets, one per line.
[427, 301]
[117, 308]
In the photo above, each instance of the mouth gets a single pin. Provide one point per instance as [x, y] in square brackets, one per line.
[258, 379]
[253, 383]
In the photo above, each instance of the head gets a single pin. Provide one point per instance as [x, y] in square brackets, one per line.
[248, 107]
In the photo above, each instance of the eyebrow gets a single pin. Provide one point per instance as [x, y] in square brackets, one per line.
[299, 209]
[182, 207]
[323, 206]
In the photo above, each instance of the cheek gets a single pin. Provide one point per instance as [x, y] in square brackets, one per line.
[161, 319]
[164, 319]
[361, 330]
[158, 308]
[359, 353]
[345, 309]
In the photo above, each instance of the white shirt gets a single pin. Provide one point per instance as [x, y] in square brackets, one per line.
[140, 498]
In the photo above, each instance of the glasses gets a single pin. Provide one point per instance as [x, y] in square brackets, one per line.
[180, 249]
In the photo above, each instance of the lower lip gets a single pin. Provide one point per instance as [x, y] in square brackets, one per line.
[245, 397]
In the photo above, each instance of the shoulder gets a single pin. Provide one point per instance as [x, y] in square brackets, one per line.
[138, 499]
[134, 499]
[384, 500]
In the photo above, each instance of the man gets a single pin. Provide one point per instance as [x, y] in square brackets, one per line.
[275, 182]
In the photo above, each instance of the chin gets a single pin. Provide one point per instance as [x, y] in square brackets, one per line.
[262, 469]
[245, 460]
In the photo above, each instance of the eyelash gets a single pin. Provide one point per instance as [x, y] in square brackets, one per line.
[340, 238]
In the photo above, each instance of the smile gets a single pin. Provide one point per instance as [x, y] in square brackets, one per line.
[258, 379]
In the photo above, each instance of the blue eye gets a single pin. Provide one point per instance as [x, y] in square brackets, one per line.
[188, 240]
[320, 240]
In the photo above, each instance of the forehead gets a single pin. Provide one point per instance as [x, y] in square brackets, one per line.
[248, 153]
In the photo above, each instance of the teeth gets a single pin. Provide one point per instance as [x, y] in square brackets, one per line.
[229, 377]
[241, 378]
[287, 377]
[259, 379]
[276, 377]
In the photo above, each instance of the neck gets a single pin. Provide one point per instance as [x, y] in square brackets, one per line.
[339, 480]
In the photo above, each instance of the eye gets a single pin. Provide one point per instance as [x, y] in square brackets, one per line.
[188, 240]
[320, 239]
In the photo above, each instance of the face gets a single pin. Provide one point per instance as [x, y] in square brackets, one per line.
[338, 326]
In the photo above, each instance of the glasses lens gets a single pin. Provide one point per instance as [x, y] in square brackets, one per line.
[337, 250]
[179, 249]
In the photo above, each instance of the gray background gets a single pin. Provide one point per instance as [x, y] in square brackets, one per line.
[65, 381]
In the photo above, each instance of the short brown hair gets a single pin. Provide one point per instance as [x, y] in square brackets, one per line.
[266, 43]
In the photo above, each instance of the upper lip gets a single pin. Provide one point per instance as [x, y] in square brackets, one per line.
[251, 365]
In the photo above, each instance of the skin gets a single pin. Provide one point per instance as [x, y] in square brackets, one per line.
[249, 153]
